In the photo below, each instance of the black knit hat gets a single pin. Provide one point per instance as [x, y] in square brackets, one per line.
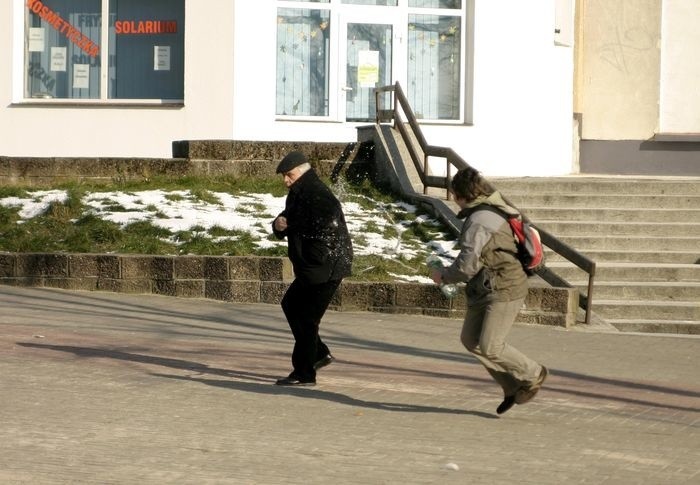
[292, 160]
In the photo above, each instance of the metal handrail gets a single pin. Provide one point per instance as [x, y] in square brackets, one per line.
[400, 104]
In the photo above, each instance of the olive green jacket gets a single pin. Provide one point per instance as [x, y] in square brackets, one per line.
[487, 259]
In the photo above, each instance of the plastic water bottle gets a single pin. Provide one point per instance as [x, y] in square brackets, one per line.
[449, 290]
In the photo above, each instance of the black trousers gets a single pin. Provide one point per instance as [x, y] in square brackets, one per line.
[304, 305]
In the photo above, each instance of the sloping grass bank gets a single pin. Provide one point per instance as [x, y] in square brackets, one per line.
[212, 216]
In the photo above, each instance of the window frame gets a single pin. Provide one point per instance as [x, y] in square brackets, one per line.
[337, 9]
[104, 99]
[465, 85]
[332, 61]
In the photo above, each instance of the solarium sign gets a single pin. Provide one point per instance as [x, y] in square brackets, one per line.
[145, 27]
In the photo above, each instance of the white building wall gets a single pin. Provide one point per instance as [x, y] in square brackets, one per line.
[680, 68]
[523, 96]
[522, 105]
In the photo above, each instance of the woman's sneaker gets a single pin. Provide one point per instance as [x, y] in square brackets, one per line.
[508, 402]
[526, 394]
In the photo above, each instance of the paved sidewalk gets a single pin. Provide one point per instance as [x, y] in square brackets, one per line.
[111, 388]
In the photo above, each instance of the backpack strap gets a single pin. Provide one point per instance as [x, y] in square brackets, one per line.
[465, 213]
[488, 207]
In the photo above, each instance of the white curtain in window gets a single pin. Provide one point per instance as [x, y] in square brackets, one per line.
[303, 38]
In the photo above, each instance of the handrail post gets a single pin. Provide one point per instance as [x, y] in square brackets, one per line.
[378, 109]
[396, 111]
[589, 295]
[448, 176]
[425, 171]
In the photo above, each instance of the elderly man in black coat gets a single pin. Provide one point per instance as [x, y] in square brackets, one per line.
[320, 250]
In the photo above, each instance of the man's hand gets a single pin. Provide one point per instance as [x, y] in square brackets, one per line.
[281, 224]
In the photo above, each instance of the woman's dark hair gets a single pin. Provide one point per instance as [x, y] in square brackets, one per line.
[468, 184]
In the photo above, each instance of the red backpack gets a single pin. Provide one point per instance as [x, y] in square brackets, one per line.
[527, 240]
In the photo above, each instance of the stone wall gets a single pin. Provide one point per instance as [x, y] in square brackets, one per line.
[251, 279]
[198, 157]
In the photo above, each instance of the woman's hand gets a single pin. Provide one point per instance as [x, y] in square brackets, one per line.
[436, 276]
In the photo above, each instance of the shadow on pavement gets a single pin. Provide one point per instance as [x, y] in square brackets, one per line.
[149, 359]
[263, 384]
[312, 393]
[607, 390]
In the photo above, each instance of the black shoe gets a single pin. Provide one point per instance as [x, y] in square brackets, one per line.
[293, 381]
[526, 394]
[508, 402]
[323, 362]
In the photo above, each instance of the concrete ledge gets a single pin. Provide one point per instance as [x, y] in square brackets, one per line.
[47, 171]
[254, 150]
[212, 158]
[253, 279]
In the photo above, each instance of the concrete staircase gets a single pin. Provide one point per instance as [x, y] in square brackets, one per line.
[643, 233]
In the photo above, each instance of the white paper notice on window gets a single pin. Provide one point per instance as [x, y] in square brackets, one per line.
[161, 58]
[58, 59]
[81, 76]
[368, 68]
[36, 39]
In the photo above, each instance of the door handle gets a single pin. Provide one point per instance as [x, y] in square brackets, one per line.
[346, 88]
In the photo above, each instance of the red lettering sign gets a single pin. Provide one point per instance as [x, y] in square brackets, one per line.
[132, 27]
[57, 22]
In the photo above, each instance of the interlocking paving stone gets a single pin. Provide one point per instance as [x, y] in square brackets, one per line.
[112, 388]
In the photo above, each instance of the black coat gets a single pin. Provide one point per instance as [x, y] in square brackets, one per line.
[319, 245]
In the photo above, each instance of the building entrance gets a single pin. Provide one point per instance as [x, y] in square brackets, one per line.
[369, 63]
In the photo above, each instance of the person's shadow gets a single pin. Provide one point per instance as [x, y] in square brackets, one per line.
[314, 393]
[244, 381]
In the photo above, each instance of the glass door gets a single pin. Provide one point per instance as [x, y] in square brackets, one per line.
[369, 62]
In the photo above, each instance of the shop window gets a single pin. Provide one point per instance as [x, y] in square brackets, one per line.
[433, 36]
[303, 38]
[63, 49]
[144, 49]
[434, 54]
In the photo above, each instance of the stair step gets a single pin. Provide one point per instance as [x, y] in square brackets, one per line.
[641, 229]
[630, 271]
[583, 184]
[648, 257]
[633, 290]
[685, 327]
[595, 200]
[656, 310]
[609, 214]
[602, 242]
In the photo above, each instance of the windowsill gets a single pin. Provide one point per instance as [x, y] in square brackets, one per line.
[97, 103]
[444, 123]
[306, 119]
[677, 137]
[329, 120]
